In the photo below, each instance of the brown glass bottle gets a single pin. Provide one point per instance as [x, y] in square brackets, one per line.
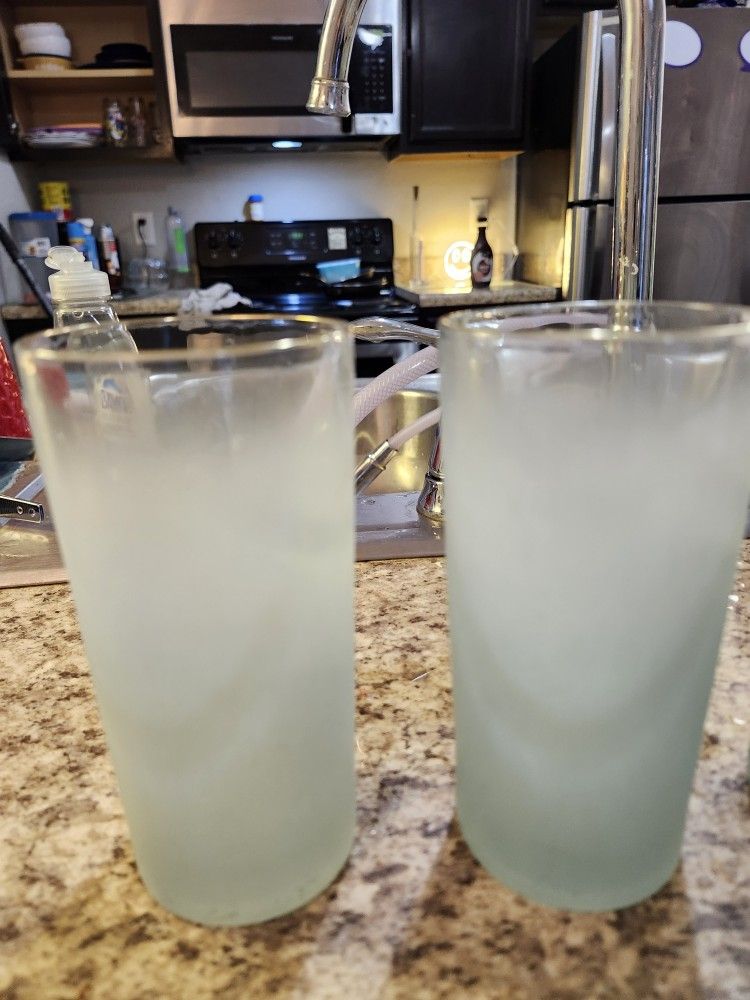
[481, 258]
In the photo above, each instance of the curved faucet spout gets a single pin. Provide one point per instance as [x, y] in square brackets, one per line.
[329, 93]
[638, 124]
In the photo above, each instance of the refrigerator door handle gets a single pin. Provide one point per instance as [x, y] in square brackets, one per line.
[577, 244]
[585, 144]
[608, 124]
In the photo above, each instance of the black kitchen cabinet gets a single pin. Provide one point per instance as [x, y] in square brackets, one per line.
[466, 70]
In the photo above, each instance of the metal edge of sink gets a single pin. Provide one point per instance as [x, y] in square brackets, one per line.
[387, 524]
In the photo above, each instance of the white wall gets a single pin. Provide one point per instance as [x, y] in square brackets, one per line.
[14, 197]
[300, 186]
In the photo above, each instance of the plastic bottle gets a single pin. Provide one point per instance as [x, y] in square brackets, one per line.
[81, 295]
[481, 258]
[109, 255]
[253, 208]
[81, 236]
[114, 126]
[136, 121]
[177, 255]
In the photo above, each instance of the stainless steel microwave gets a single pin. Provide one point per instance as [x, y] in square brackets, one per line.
[242, 69]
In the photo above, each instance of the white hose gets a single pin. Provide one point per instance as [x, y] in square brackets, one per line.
[427, 360]
[393, 380]
[427, 420]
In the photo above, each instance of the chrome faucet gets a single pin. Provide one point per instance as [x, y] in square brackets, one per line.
[638, 124]
[642, 25]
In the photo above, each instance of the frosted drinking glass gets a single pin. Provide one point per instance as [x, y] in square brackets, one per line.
[203, 499]
[597, 481]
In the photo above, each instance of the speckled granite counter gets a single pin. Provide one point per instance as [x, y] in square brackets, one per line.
[412, 917]
[136, 305]
[504, 293]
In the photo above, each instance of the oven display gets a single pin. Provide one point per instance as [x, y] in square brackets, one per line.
[337, 238]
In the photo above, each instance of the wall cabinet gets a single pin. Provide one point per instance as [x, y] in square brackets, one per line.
[32, 98]
[466, 68]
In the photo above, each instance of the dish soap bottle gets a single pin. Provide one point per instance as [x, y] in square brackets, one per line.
[81, 295]
[482, 258]
[177, 255]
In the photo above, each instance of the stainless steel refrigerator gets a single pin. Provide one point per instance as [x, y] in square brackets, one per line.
[566, 184]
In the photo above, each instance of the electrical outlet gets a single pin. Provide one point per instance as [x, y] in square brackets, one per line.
[143, 228]
[478, 207]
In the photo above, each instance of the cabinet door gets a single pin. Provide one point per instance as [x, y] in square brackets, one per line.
[466, 73]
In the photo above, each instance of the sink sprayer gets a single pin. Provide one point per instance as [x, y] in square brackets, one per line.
[401, 375]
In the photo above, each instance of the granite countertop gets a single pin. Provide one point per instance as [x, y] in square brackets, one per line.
[451, 296]
[169, 302]
[412, 916]
[134, 305]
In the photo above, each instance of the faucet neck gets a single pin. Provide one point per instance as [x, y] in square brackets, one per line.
[642, 24]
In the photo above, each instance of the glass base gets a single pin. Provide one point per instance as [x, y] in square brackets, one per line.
[596, 898]
[250, 911]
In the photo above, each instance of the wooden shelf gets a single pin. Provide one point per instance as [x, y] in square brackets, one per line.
[91, 154]
[40, 81]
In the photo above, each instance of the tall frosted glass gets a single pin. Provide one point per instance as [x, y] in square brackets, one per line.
[203, 498]
[597, 465]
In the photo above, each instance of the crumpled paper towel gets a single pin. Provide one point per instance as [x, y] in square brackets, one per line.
[208, 300]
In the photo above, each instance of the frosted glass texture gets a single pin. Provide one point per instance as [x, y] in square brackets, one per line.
[203, 498]
[597, 483]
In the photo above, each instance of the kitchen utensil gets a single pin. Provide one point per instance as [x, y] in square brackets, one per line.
[48, 63]
[38, 29]
[20, 510]
[232, 739]
[24, 270]
[605, 446]
[46, 45]
[335, 271]
[124, 50]
[121, 55]
[15, 435]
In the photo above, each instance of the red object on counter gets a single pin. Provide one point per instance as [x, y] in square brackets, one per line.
[13, 420]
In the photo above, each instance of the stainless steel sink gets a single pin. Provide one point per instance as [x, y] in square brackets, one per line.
[388, 525]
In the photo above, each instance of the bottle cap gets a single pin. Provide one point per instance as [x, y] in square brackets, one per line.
[255, 197]
[76, 280]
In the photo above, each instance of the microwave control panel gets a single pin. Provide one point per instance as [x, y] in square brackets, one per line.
[371, 73]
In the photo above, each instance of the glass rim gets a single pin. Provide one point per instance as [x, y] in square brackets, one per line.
[330, 330]
[467, 322]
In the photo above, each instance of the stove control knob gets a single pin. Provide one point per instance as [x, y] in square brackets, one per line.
[214, 239]
[357, 236]
[377, 235]
[234, 239]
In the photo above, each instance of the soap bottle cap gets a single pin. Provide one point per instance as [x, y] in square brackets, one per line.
[76, 279]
